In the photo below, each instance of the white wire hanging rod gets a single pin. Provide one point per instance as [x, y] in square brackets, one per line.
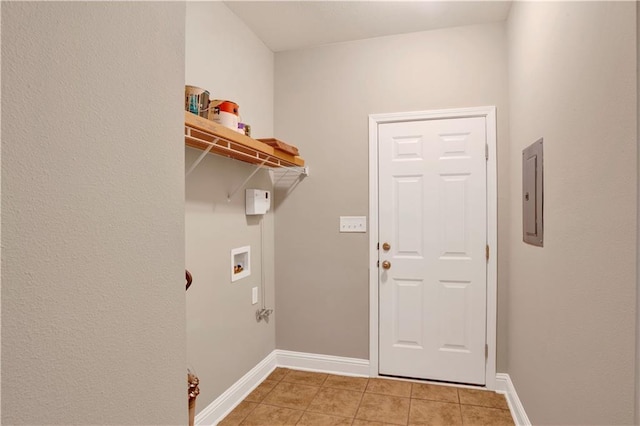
[301, 170]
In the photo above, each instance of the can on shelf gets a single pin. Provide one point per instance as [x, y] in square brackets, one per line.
[224, 113]
[196, 100]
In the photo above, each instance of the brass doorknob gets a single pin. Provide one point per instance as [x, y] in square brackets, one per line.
[386, 264]
[386, 246]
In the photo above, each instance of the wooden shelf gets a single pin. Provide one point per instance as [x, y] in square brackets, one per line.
[204, 135]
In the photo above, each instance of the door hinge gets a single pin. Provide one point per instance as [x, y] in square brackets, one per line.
[486, 151]
[378, 246]
[487, 252]
[486, 351]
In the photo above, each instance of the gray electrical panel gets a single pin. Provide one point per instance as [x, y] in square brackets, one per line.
[532, 194]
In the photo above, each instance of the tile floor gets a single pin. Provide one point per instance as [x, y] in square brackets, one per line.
[292, 397]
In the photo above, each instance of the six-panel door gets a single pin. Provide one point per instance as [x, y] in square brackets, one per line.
[433, 216]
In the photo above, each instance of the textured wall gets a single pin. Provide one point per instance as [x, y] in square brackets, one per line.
[323, 98]
[572, 303]
[224, 339]
[637, 396]
[93, 328]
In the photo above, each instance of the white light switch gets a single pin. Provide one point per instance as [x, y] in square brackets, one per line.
[254, 295]
[353, 224]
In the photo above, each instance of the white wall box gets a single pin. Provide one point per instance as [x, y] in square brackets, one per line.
[257, 201]
[240, 263]
[532, 194]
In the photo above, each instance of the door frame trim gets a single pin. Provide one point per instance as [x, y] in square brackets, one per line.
[489, 113]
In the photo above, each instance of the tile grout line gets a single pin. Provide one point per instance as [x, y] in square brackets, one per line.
[248, 414]
[460, 407]
[485, 406]
[410, 402]
[306, 409]
[360, 402]
[325, 386]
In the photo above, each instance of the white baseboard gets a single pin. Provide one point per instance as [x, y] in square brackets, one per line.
[505, 385]
[226, 402]
[323, 363]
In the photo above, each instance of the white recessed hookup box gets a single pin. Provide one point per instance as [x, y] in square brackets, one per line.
[240, 263]
[353, 224]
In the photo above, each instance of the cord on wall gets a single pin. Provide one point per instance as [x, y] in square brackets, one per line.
[262, 274]
[264, 313]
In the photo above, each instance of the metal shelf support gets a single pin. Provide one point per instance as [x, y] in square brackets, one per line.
[201, 157]
[211, 142]
[232, 193]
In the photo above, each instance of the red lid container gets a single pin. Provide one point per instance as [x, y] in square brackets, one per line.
[228, 106]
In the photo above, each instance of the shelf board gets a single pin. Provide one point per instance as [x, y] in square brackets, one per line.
[204, 134]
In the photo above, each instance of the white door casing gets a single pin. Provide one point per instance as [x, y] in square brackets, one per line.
[432, 311]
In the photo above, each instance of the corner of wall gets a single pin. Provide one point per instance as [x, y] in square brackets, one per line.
[637, 366]
[224, 339]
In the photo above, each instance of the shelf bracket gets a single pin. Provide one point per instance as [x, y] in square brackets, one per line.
[232, 193]
[201, 157]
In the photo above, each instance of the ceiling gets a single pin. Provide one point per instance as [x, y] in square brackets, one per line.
[288, 25]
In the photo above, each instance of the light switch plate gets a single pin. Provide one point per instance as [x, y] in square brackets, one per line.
[254, 295]
[353, 224]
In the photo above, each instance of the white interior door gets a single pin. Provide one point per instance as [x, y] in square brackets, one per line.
[432, 206]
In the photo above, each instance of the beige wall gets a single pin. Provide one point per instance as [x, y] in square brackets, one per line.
[637, 395]
[224, 339]
[571, 304]
[93, 328]
[226, 58]
[323, 98]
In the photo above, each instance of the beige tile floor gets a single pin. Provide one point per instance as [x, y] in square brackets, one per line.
[292, 397]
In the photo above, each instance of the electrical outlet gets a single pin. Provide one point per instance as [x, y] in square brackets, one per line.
[353, 224]
[254, 295]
